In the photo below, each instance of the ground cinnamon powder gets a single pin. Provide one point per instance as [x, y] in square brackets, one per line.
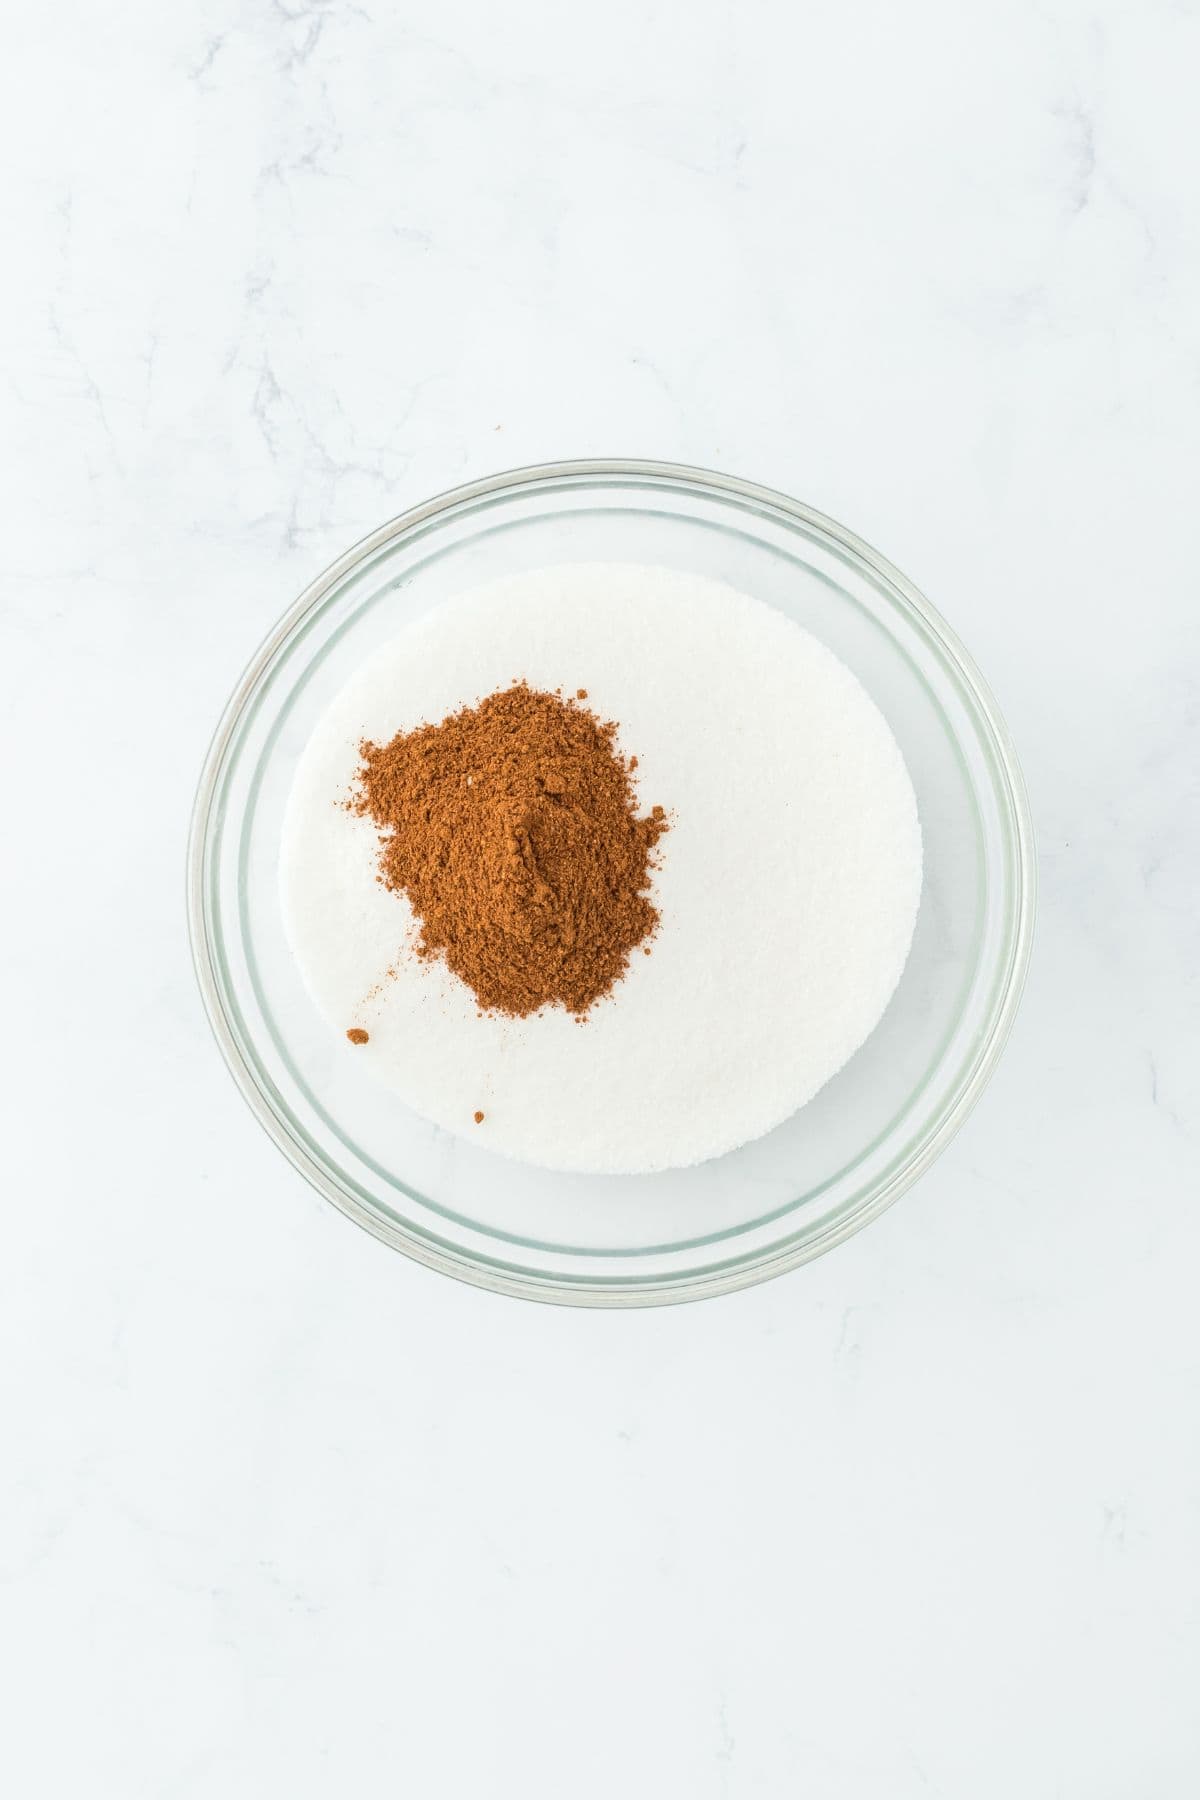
[512, 828]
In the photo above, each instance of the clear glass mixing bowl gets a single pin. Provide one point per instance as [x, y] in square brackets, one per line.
[623, 1240]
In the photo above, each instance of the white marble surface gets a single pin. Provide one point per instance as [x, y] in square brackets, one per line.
[285, 1514]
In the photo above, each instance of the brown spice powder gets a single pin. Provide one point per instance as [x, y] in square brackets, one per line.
[512, 828]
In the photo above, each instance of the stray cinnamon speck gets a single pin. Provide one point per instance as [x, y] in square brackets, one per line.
[357, 1035]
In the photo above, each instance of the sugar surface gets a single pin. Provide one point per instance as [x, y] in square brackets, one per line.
[788, 890]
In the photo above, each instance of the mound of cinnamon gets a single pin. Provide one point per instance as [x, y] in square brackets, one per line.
[512, 828]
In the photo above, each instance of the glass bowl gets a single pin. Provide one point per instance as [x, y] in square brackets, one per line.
[609, 1240]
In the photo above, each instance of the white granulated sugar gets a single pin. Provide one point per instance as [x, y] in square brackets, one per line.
[788, 886]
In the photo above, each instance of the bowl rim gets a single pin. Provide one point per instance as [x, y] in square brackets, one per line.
[660, 1290]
